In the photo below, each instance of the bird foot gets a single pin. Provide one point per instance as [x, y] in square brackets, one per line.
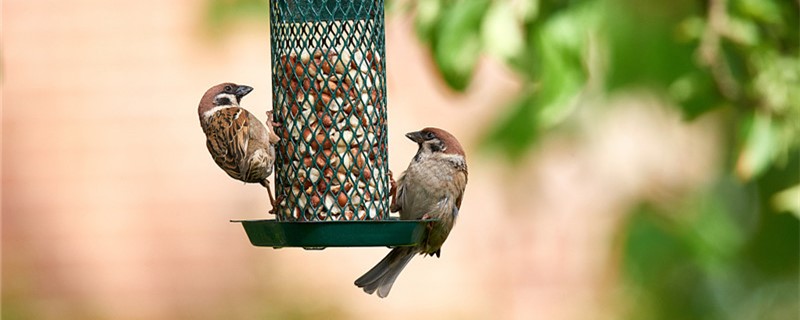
[271, 199]
[278, 199]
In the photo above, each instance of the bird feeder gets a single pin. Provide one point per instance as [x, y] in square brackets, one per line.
[332, 178]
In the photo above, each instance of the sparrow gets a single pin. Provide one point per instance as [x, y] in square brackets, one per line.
[239, 143]
[431, 188]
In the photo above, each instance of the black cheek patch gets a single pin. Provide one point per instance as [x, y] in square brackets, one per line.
[223, 101]
[436, 147]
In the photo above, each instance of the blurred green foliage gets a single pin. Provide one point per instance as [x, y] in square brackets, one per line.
[723, 254]
[700, 55]
[732, 250]
[222, 13]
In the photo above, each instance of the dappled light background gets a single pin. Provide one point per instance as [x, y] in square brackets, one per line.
[614, 206]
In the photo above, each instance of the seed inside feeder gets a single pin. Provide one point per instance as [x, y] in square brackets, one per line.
[333, 108]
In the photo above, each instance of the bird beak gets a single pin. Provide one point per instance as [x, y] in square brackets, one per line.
[415, 136]
[242, 91]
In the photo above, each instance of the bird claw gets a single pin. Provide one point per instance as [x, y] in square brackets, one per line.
[271, 198]
[271, 119]
[278, 199]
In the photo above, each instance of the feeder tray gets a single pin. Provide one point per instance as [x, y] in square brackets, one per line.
[320, 235]
[332, 179]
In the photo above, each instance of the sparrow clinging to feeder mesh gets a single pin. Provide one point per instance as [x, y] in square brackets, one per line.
[239, 143]
[431, 188]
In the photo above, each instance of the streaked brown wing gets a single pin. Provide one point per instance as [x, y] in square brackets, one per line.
[228, 137]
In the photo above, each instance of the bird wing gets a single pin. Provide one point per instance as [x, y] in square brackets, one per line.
[258, 149]
[460, 180]
[228, 137]
[400, 198]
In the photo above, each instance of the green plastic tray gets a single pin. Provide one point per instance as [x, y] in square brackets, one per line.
[323, 234]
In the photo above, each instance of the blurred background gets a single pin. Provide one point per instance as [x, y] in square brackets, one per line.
[628, 160]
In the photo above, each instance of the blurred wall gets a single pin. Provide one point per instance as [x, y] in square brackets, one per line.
[112, 208]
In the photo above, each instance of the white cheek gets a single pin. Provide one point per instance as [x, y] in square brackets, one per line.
[230, 97]
[214, 110]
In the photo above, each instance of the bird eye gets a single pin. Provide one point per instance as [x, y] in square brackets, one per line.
[429, 135]
[228, 88]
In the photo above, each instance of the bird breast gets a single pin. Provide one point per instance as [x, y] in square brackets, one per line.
[429, 187]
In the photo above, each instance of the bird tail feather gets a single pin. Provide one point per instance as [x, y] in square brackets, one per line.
[382, 276]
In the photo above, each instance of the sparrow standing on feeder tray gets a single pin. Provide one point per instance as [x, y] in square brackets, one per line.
[239, 143]
[431, 188]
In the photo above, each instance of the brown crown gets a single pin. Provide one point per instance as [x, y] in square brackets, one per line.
[451, 143]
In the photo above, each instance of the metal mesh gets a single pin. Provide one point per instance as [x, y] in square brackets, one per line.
[329, 94]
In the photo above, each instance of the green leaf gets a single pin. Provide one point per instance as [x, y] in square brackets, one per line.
[502, 31]
[696, 93]
[788, 200]
[759, 147]
[560, 46]
[764, 10]
[645, 48]
[742, 31]
[428, 14]
[777, 80]
[527, 10]
[457, 46]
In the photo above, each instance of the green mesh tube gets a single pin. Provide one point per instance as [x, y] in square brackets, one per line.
[329, 93]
